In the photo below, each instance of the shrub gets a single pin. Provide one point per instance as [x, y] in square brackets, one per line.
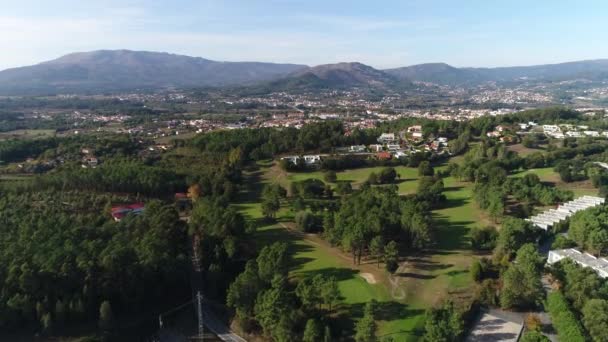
[305, 221]
[564, 320]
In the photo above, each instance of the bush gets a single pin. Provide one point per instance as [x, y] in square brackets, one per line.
[330, 176]
[564, 320]
[305, 221]
[483, 238]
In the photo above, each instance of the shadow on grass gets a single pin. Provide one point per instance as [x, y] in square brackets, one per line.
[452, 235]
[340, 274]
[348, 316]
[416, 275]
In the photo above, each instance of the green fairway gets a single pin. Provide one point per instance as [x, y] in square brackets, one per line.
[407, 180]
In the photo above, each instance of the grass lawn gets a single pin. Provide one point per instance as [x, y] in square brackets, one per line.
[407, 181]
[547, 175]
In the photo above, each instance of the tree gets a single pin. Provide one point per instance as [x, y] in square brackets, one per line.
[272, 261]
[327, 334]
[425, 169]
[275, 305]
[312, 331]
[476, 271]
[271, 199]
[60, 314]
[533, 322]
[534, 336]
[443, 324]
[391, 257]
[47, 324]
[106, 317]
[522, 287]
[598, 241]
[483, 238]
[330, 293]
[330, 176]
[270, 205]
[372, 178]
[387, 175]
[595, 319]
[305, 221]
[194, 192]
[376, 248]
[365, 329]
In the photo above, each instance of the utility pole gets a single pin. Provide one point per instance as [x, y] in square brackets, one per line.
[199, 306]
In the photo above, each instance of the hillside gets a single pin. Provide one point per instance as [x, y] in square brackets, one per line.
[334, 76]
[115, 70]
[441, 73]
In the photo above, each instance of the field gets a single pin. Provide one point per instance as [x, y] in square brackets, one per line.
[27, 134]
[547, 175]
[421, 281]
[407, 180]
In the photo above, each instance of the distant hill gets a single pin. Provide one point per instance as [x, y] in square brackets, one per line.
[115, 70]
[125, 70]
[334, 76]
[441, 73]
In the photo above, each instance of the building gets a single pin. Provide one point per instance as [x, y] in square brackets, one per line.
[384, 156]
[393, 147]
[357, 148]
[119, 212]
[599, 265]
[574, 134]
[594, 134]
[387, 138]
[376, 148]
[551, 129]
[312, 159]
[292, 159]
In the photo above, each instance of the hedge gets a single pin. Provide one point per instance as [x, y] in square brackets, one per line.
[565, 322]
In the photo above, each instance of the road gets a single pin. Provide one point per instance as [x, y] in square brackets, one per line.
[210, 319]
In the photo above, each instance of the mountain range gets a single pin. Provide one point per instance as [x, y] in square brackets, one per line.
[125, 70]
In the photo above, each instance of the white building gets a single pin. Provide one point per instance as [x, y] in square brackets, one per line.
[387, 138]
[357, 148]
[312, 159]
[551, 129]
[393, 147]
[574, 134]
[592, 133]
[375, 148]
[599, 265]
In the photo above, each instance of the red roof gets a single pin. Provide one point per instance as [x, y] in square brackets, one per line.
[384, 155]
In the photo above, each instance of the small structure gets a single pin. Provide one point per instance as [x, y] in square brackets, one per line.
[312, 159]
[357, 148]
[594, 134]
[393, 147]
[387, 138]
[551, 129]
[384, 156]
[119, 212]
[599, 265]
[376, 148]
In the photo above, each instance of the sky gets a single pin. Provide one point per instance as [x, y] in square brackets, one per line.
[380, 33]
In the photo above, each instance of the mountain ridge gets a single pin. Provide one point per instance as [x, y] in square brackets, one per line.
[122, 70]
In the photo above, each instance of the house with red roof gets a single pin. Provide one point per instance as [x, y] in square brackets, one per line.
[119, 212]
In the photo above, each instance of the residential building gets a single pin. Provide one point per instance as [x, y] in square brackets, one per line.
[599, 265]
[387, 138]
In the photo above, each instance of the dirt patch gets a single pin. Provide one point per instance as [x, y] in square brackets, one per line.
[368, 277]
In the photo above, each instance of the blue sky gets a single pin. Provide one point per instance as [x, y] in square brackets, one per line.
[379, 33]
